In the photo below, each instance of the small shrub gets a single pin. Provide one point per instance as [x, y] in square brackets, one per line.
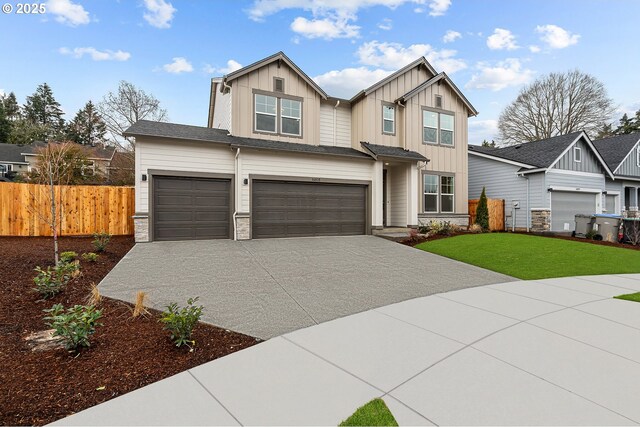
[68, 270]
[475, 228]
[48, 282]
[423, 229]
[100, 241]
[75, 325]
[180, 321]
[591, 234]
[90, 256]
[140, 307]
[94, 297]
[482, 212]
[68, 256]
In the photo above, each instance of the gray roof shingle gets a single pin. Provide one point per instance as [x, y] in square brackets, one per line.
[616, 148]
[394, 152]
[539, 154]
[221, 136]
[12, 153]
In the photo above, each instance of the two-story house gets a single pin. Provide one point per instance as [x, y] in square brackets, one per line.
[282, 158]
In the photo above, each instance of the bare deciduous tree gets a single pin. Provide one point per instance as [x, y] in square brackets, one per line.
[124, 107]
[556, 104]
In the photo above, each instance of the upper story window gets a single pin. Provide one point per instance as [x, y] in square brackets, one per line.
[438, 128]
[278, 115]
[577, 154]
[388, 119]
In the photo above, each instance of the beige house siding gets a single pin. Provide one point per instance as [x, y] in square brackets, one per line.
[177, 155]
[335, 125]
[242, 114]
[397, 196]
[222, 111]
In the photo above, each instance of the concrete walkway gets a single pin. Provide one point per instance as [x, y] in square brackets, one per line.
[547, 352]
[266, 288]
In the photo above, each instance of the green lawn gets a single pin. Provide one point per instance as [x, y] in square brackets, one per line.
[533, 257]
[630, 297]
[374, 413]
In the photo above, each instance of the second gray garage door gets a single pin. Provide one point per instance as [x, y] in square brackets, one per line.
[566, 204]
[191, 208]
[298, 209]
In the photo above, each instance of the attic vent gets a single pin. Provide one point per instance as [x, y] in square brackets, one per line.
[278, 84]
[438, 101]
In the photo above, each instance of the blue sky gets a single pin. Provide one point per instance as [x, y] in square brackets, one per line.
[171, 48]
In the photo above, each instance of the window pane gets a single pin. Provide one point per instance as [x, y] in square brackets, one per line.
[387, 126]
[265, 104]
[291, 126]
[291, 108]
[447, 184]
[430, 135]
[430, 183]
[431, 203]
[265, 123]
[430, 119]
[388, 112]
[446, 203]
[446, 122]
[446, 137]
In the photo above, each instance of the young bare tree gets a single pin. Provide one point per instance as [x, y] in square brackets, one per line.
[56, 166]
[124, 107]
[556, 104]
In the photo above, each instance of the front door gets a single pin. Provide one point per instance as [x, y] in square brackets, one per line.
[384, 197]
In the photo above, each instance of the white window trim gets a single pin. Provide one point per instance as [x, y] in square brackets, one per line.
[453, 195]
[439, 128]
[392, 120]
[638, 156]
[437, 194]
[8, 167]
[283, 116]
[452, 130]
[577, 154]
[256, 112]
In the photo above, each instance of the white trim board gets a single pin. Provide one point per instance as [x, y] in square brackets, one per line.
[575, 189]
[577, 173]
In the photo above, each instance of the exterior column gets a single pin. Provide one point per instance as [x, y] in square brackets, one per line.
[376, 196]
[412, 195]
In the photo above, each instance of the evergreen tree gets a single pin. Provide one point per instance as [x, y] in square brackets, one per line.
[482, 212]
[626, 125]
[606, 131]
[5, 125]
[42, 109]
[486, 143]
[11, 107]
[87, 127]
[25, 132]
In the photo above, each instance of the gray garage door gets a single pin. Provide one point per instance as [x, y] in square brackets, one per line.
[191, 208]
[565, 205]
[297, 209]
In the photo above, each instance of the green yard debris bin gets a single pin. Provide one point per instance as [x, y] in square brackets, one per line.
[607, 227]
[584, 225]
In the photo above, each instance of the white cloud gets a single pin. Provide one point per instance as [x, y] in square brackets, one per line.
[556, 37]
[479, 130]
[95, 54]
[534, 49]
[502, 39]
[159, 13]
[232, 65]
[349, 81]
[451, 36]
[326, 28]
[386, 24]
[504, 74]
[179, 65]
[439, 7]
[68, 13]
[392, 56]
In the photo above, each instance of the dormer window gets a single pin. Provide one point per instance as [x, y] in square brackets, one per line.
[388, 119]
[577, 154]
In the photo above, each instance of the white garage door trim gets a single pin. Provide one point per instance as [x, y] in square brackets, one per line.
[596, 194]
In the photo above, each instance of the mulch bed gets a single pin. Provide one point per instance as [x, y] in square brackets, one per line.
[421, 238]
[38, 387]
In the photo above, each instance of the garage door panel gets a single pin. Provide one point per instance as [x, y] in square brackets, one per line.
[191, 208]
[297, 209]
[565, 205]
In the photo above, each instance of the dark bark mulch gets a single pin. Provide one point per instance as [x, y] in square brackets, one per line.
[421, 238]
[38, 387]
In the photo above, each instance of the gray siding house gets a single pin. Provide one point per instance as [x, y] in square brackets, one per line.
[622, 154]
[544, 183]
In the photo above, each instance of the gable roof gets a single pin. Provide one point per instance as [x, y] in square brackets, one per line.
[614, 150]
[436, 79]
[418, 62]
[13, 153]
[393, 152]
[93, 152]
[279, 56]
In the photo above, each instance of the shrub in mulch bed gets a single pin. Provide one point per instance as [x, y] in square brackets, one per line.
[39, 387]
[421, 238]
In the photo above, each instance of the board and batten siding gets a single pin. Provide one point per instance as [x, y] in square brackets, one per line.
[397, 196]
[335, 125]
[243, 103]
[177, 155]
[295, 165]
[629, 166]
[588, 163]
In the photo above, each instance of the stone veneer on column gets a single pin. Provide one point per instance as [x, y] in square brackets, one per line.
[540, 220]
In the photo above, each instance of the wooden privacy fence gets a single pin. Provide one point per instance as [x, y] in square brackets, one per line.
[25, 209]
[496, 213]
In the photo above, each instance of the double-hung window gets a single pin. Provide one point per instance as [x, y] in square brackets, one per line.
[290, 117]
[266, 108]
[388, 119]
[439, 193]
[438, 128]
[277, 115]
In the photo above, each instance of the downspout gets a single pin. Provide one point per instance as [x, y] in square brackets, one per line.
[335, 124]
[236, 198]
[528, 204]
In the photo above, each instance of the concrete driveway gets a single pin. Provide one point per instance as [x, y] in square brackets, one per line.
[265, 288]
[547, 352]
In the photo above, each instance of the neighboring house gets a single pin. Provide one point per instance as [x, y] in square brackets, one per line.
[12, 159]
[98, 157]
[544, 183]
[622, 154]
[282, 158]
